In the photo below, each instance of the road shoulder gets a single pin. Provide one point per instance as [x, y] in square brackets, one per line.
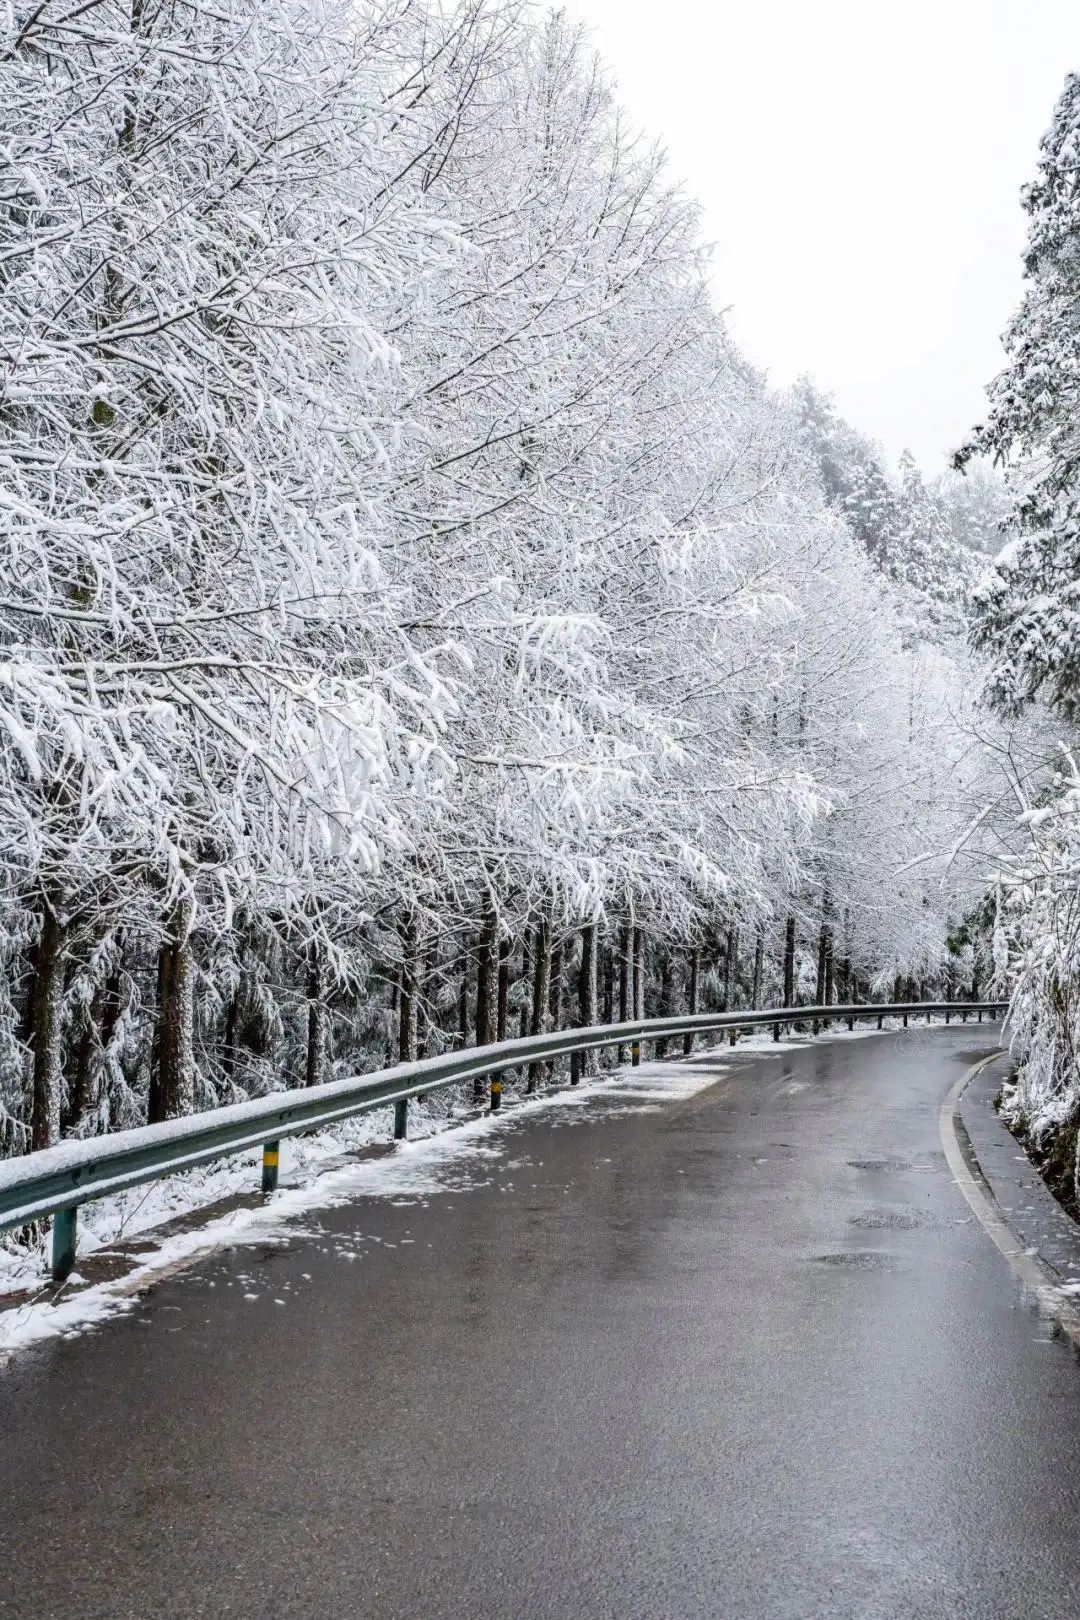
[1009, 1197]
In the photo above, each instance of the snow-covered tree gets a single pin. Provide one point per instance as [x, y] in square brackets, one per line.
[911, 529]
[1027, 628]
[419, 622]
[1027, 619]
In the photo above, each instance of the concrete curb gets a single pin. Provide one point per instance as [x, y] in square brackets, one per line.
[994, 1202]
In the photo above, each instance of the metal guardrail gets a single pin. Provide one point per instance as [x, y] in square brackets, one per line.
[57, 1180]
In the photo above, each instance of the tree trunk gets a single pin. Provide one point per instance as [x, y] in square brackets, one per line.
[691, 998]
[317, 1018]
[624, 986]
[407, 1022]
[81, 1099]
[639, 975]
[525, 1011]
[558, 976]
[541, 998]
[431, 973]
[556, 992]
[47, 994]
[174, 1093]
[789, 963]
[84, 1092]
[26, 1019]
[665, 996]
[822, 963]
[111, 1008]
[759, 968]
[463, 1000]
[609, 983]
[229, 1047]
[731, 969]
[486, 989]
[502, 1005]
[587, 1012]
[845, 982]
[692, 981]
[395, 1002]
[486, 977]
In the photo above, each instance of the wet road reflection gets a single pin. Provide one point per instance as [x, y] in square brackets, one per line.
[739, 1355]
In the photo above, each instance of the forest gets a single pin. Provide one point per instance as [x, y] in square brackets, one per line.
[422, 625]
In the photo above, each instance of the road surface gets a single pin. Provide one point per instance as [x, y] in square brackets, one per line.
[742, 1357]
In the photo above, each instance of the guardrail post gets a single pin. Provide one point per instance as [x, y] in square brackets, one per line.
[270, 1166]
[776, 1032]
[496, 1093]
[905, 1020]
[880, 1021]
[850, 1025]
[575, 1068]
[688, 1044]
[64, 1237]
[401, 1119]
[635, 1054]
[732, 1036]
[980, 1015]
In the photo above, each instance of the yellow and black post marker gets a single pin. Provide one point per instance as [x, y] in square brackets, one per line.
[401, 1119]
[270, 1167]
[496, 1093]
[635, 1054]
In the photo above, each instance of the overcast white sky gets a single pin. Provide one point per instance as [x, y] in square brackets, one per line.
[858, 162]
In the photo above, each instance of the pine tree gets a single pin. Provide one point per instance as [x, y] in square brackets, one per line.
[1028, 607]
[903, 524]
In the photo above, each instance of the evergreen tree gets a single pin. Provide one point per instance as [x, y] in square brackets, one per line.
[903, 524]
[1028, 607]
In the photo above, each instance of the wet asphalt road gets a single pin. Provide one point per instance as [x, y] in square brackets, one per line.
[742, 1357]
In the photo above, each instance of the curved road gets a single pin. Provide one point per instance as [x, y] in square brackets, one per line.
[742, 1357]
